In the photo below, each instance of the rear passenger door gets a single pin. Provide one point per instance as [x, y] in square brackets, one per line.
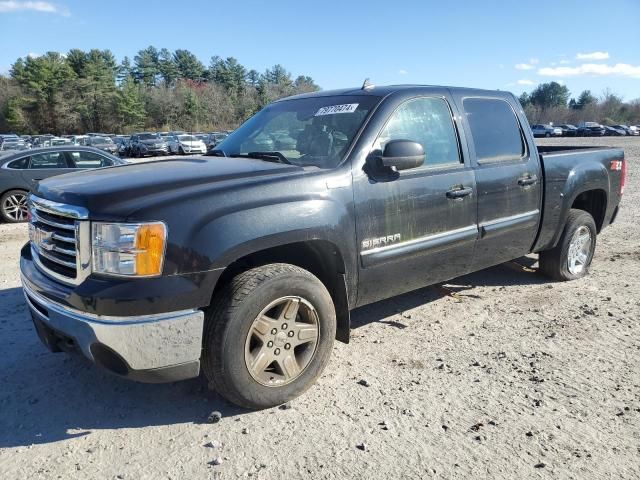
[45, 165]
[508, 179]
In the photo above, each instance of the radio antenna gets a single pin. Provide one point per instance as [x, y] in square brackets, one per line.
[366, 85]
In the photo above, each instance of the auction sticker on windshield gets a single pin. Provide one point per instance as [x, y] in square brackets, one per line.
[331, 109]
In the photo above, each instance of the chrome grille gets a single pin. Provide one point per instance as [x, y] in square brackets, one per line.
[59, 237]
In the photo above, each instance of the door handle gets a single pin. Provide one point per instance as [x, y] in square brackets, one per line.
[528, 180]
[459, 192]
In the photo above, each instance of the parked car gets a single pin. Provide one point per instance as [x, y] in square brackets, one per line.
[20, 172]
[80, 139]
[541, 130]
[9, 137]
[591, 129]
[103, 143]
[11, 144]
[627, 129]
[612, 131]
[214, 138]
[246, 265]
[143, 144]
[568, 130]
[186, 144]
[57, 142]
[635, 130]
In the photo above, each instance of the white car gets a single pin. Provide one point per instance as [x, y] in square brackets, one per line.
[186, 144]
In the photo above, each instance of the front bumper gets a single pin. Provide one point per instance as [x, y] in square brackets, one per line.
[150, 348]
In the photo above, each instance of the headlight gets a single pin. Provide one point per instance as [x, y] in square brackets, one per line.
[129, 249]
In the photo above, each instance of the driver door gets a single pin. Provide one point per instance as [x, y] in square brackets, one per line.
[419, 226]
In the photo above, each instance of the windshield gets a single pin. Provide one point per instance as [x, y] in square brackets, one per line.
[187, 138]
[314, 131]
[149, 136]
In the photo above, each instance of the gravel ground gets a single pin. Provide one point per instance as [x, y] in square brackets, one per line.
[512, 377]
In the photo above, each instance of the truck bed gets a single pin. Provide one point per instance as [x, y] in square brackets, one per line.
[570, 170]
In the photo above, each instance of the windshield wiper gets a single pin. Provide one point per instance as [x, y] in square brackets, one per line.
[268, 156]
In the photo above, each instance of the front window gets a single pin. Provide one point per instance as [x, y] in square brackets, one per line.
[427, 121]
[314, 131]
[84, 159]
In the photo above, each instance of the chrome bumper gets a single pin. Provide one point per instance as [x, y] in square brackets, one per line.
[153, 348]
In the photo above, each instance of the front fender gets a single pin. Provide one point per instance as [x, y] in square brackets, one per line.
[239, 233]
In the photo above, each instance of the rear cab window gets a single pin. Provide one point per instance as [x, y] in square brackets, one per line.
[495, 130]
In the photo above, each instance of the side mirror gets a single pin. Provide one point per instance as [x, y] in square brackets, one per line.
[402, 155]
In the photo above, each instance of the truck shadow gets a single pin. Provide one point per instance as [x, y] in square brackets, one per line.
[518, 272]
[48, 397]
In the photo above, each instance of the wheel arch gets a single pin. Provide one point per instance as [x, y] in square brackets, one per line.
[593, 202]
[322, 258]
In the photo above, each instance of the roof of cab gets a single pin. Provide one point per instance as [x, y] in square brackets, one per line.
[384, 90]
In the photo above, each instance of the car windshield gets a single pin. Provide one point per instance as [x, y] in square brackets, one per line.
[314, 131]
[149, 136]
[187, 138]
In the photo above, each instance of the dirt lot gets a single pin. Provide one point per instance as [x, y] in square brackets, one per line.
[515, 377]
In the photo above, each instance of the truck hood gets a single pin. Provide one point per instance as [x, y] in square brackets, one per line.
[113, 193]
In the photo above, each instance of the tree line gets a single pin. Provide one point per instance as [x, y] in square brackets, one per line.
[90, 91]
[551, 102]
[163, 90]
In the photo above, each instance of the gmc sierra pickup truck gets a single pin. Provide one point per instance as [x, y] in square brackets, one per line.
[246, 264]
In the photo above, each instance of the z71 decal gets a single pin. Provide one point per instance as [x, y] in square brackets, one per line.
[380, 241]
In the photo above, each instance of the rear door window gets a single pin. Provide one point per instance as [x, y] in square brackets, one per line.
[495, 130]
[48, 160]
[19, 164]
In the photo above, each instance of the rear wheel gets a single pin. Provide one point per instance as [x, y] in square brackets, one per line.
[13, 206]
[268, 335]
[572, 256]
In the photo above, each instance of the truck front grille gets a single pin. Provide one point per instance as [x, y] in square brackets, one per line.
[59, 239]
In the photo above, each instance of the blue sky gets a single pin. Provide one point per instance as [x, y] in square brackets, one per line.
[587, 44]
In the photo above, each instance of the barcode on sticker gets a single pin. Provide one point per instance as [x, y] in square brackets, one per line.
[332, 109]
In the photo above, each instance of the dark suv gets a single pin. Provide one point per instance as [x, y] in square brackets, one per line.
[143, 144]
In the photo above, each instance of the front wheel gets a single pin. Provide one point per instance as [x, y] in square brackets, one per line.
[571, 257]
[13, 206]
[268, 335]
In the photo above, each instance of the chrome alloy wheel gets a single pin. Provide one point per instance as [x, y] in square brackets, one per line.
[579, 249]
[282, 341]
[15, 207]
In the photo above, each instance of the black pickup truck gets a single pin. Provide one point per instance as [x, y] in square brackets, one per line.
[247, 263]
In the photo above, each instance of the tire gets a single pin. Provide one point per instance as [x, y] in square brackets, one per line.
[547, 134]
[555, 263]
[230, 335]
[181, 151]
[13, 206]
